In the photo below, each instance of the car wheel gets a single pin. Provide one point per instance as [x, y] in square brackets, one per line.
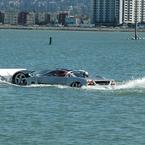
[19, 79]
[76, 84]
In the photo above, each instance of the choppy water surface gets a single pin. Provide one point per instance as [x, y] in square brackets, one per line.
[59, 115]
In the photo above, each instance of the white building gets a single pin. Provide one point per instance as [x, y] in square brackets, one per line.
[134, 10]
[11, 18]
[30, 18]
[41, 17]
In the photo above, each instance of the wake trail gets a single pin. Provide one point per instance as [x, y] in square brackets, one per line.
[132, 84]
[124, 85]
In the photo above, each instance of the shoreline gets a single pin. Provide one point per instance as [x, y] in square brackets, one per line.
[96, 29]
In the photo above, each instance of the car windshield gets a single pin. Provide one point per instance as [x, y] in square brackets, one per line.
[42, 72]
[58, 73]
[100, 78]
[81, 74]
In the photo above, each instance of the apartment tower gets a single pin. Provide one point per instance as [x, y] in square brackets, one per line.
[134, 10]
[107, 12]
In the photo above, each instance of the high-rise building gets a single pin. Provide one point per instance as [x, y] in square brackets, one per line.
[94, 12]
[134, 10]
[143, 11]
[107, 12]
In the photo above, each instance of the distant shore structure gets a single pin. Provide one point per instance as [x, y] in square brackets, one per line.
[99, 13]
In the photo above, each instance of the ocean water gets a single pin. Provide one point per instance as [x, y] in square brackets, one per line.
[59, 115]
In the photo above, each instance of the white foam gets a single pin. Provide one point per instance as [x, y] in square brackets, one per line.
[46, 85]
[9, 72]
[131, 84]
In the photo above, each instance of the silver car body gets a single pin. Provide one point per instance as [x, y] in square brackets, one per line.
[55, 77]
[73, 78]
[60, 76]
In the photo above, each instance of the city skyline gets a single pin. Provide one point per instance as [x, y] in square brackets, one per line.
[97, 12]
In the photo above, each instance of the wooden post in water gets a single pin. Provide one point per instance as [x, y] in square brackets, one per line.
[50, 40]
[135, 34]
[135, 37]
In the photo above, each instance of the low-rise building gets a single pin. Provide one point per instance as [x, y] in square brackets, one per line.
[22, 18]
[62, 18]
[70, 21]
[30, 18]
[1, 17]
[54, 19]
[11, 17]
[42, 18]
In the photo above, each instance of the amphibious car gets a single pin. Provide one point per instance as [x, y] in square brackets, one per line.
[72, 78]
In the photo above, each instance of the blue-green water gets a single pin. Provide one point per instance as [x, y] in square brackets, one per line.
[57, 115]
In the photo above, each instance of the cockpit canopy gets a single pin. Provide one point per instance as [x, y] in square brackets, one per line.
[63, 73]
